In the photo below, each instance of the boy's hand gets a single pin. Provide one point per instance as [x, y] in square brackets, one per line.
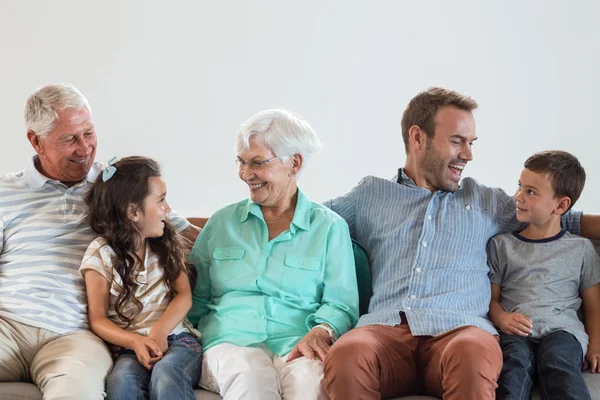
[592, 360]
[160, 338]
[146, 351]
[514, 324]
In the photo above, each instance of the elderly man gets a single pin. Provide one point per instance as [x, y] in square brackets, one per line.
[44, 336]
[427, 330]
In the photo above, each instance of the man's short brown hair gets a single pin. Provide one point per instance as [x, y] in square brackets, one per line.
[421, 110]
[566, 174]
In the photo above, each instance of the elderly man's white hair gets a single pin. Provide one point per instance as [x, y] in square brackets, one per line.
[283, 132]
[43, 106]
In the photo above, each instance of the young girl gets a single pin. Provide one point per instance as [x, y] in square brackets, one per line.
[137, 285]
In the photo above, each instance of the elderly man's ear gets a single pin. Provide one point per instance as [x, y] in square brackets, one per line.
[36, 141]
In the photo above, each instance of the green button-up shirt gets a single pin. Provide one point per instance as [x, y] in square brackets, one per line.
[251, 290]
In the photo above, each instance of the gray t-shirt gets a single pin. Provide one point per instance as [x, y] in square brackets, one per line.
[543, 279]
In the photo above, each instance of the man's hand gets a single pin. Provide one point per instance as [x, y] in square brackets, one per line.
[514, 324]
[114, 350]
[314, 343]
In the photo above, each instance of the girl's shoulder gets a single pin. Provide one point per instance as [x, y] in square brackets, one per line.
[100, 248]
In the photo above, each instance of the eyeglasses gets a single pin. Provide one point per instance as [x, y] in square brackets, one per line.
[253, 165]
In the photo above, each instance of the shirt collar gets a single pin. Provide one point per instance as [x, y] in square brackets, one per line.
[405, 180]
[301, 218]
[35, 179]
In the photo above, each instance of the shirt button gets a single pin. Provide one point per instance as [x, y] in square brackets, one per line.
[424, 244]
[468, 207]
[228, 254]
[429, 217]
[407, 308]
[262, 317]
[418, 269]
[413, 297]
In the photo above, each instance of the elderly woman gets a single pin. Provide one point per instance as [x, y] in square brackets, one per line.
[276, 279]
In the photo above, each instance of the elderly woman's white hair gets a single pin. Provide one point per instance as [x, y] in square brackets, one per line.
[283, 132]
[43, 106]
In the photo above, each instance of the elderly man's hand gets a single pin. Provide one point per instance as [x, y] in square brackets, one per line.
[314, 344]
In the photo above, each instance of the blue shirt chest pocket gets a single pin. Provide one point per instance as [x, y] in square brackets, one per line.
[465, 221]
[303, 277]
[225, 263]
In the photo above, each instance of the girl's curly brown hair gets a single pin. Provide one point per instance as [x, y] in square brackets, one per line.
[107, 204]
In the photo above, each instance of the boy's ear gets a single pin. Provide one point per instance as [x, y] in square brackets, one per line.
[563, 205]
[133, 212]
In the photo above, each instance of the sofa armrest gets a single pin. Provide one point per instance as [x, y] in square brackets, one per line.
[199, 222]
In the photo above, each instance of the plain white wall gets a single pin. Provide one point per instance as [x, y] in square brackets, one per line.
[173, 80]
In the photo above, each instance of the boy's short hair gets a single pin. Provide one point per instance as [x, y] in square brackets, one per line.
[566, 174]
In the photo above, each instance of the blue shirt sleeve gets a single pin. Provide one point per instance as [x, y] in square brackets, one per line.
[178, 221]
[345, 207]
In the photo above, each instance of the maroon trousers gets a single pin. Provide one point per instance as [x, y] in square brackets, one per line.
[379, 362]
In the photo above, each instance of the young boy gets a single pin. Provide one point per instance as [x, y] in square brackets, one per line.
[540, 276]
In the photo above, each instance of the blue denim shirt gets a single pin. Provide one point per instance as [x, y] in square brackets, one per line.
[427, 250]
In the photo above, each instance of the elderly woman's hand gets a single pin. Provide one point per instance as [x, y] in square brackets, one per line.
[314, 343]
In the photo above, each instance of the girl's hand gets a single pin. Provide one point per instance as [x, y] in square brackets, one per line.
[159, 338]
[147, 351]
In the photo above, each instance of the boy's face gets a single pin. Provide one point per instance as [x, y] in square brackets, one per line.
[535, 199]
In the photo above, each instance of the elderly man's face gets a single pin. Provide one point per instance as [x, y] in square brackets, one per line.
[67, 152]
[449, 151]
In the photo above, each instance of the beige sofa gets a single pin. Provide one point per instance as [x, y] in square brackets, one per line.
[22, 391]
[27, 391]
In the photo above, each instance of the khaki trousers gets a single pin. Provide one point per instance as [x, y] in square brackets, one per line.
[68, 366]
[379, 362]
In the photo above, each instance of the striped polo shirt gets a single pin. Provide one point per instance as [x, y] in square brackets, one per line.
[150, 291]
[43, 237]
[427, 250]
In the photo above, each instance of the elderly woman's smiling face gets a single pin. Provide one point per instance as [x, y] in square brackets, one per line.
[272, 183]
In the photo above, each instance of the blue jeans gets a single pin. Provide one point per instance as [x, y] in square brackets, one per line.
[556, 359]
[173, 377]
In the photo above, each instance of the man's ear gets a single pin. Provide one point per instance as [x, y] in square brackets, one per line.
[563, 205]
[297, 161]
[36, 141]
[417, 138]
[133, 212]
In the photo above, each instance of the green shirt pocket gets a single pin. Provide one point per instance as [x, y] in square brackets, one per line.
[307, 263]
[302, 277]
[225, 262]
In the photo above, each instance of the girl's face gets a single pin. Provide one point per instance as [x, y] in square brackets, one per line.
[150, 220]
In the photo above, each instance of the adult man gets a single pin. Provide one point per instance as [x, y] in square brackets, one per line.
[427, 329]
[44, 336]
